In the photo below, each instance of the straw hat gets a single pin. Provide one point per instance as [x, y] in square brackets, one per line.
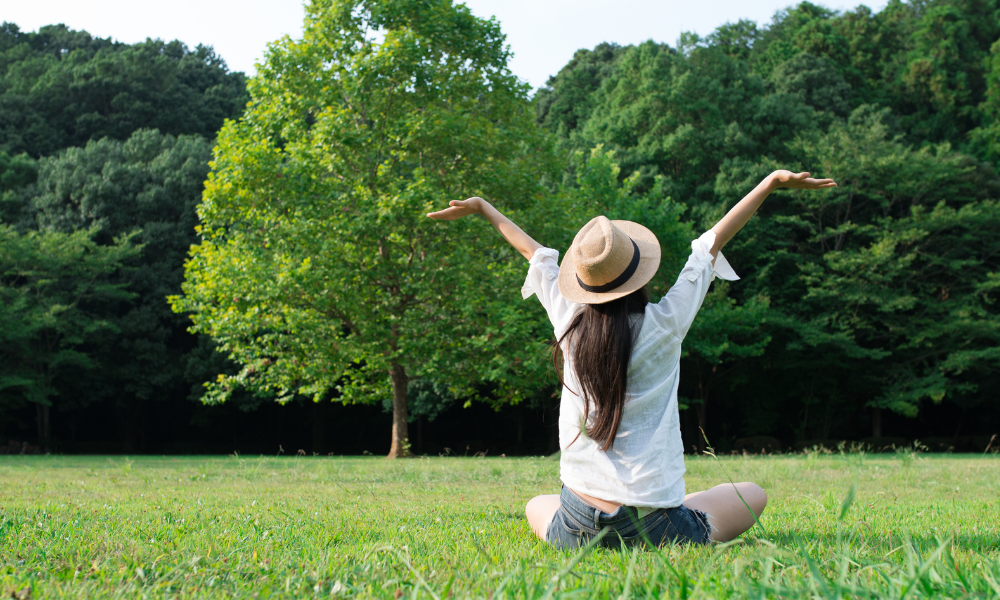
[608, 260]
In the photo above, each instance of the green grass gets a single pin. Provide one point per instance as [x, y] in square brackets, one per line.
[204, 527]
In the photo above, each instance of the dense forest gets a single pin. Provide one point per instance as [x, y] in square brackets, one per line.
[865, 313]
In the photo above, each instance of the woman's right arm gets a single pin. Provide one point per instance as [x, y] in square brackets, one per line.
[522, 242]
[543, 270]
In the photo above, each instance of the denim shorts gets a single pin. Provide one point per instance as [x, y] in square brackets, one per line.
[576, 523]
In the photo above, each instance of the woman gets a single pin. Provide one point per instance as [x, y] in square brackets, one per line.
[622, 460]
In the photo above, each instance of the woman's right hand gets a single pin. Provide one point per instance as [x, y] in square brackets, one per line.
[459, 208]
[801, 181]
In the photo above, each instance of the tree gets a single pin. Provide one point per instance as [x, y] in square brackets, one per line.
[723, 333]
[986, 138]
[148, 184]
[566, 101]
[679, 115]
[735, 40]
[816, 81]
[16, 173]
[893, 302]
[318, 271]
[47, 283]
[61, 88]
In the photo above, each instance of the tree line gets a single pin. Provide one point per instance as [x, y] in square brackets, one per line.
[300, 268]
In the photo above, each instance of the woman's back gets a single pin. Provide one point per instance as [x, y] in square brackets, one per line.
[645, 464]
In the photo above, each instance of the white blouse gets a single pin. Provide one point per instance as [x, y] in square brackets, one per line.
[646, 465]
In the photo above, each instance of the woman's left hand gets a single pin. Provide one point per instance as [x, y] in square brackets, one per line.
[459, 208]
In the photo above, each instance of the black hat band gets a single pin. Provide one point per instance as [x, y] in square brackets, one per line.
[618, 281]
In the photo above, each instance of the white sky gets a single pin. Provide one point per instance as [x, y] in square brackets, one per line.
[543, 34]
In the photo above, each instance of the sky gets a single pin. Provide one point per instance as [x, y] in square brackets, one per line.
[543, 34]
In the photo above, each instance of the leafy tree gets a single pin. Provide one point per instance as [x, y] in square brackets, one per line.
[986, 138]
[61, 88]
[566, 101]
[879, 260]
[48, 281]
[943, 82]
[805, 28]
[723, 333]
[16, 173]
[148, 185]
[926, 60]
[681, 115]
[735, 40]
[319, 272]
[816, 81]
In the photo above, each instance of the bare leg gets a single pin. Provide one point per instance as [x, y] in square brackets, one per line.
[540, 511]
[727, 515]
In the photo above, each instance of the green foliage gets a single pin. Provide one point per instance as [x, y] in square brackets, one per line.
[149, 186]
[319, 272]
[16, 172]
[986, 138]
[724, 333]
[875, 294]
[680, 116]
[815, 80]
[567, 98]
[224, 527]
[896, 269]
[61, 88]
[48, 285]
[82, 107]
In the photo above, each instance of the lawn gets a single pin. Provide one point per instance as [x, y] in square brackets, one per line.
[917, 526]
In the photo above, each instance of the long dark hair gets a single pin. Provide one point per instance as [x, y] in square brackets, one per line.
[602, 338]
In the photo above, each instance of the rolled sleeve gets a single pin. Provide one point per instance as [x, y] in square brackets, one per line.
[676, 311]
[542, 281]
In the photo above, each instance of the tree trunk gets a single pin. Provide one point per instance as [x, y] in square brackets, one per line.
[132, 426]
[688, 436]
[319, 427]
[876, 422]
[44, 427]
[702, 423]
[520, 427]
[400, 427]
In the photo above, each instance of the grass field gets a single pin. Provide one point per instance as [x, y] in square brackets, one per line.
[205, 527]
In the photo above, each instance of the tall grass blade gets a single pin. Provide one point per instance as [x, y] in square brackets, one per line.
[406, 561]
[990, 445]
[992, 582]
[711, 452]
[848, 499]
[572, 563]
[817, 575]
[628, 576]
[924, 567]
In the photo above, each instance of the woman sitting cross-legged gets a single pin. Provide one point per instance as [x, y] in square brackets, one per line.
[622, 460]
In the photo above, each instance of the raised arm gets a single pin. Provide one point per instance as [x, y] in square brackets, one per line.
[739, 215]
[522, 242]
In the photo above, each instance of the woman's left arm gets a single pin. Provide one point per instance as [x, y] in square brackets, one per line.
[739, 215]
[522, 242]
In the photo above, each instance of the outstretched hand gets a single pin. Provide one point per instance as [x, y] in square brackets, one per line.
[801, 181]
[458, 209]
